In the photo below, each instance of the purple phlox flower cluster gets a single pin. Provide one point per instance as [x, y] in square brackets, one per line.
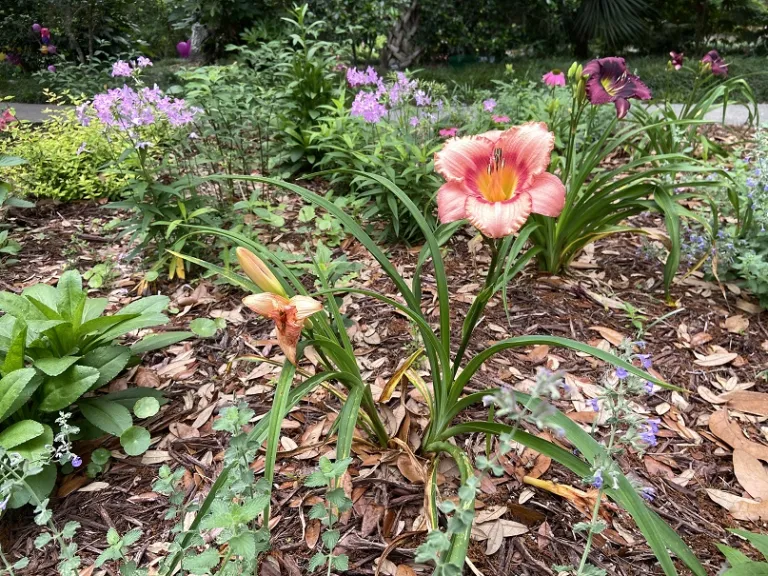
[489, 105]
[356, 77]
[401, 88]
[368, 107]
[143, 62]
[121, 68]
[126, 108]
[621, 373]
[648, 434]
[414, 121]
[421, 98]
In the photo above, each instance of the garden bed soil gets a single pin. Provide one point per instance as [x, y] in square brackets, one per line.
[705, 319]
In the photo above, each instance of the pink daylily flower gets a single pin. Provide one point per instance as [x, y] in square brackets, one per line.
[554, 78]
[715, 62]
[609, 81]
[677, 59]
[497, 179]
[289, 316]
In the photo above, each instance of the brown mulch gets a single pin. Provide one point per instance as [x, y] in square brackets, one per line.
[201, 376]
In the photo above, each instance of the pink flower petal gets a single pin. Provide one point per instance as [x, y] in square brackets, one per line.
[493, 135]
[527, 148]
[462, 155]
[451, 199]
[547, 194]
[499, 219]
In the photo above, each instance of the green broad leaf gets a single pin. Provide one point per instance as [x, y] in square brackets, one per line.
[146, 407]
[43, 293]
[62, 390]
[19, 307]
[41, 484]
[750, 569]
[111, 417]
[243, 545]
[147, 305]
[94, 307]
[71, 297]
[759, 541]
[157, 341]
[55, 366]
[101, 456]
[135, 441]
[203, 327]
[102, 323]
[148, 320]
[12, 386]
[24, 397]
[201, 564]
[36, 448]
[14, 354]
[19, 433]
[733, 556]
[109, 361]
[9, 161]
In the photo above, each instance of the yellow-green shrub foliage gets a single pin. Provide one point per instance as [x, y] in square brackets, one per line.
[65, 160]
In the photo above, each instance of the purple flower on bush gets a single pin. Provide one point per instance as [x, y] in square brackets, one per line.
[143, 62]
[597, 479]
[121, 68]
[183, 49]
[648, 435]
[715, 62]
[357, 77]
[489, 105]
[414, 121]
[77, 461]
[36, 28]
[645, 360]
[621, 373]
[421, 98]
[368, 107]
[609, 81]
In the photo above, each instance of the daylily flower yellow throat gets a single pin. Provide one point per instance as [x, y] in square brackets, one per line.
[289, 314]
[497, 179]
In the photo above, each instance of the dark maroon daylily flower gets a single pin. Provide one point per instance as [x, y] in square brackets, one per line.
[715, 62]
[609, 81]
[677, 59]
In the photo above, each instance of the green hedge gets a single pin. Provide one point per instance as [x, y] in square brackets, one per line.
[651, 69]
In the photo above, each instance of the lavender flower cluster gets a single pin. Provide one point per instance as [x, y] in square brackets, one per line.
[127, 109]
[123, 68]
[373, 106]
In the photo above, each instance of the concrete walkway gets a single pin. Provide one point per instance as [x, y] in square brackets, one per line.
[736, 115]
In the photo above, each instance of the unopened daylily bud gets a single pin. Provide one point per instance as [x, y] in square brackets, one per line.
[572, 70]
[259, 272]
[581, 89]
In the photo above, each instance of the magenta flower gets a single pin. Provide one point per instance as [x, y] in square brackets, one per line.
[677, 59]
[367, 106]
[501, 119]
[36, 28]
[52, 68]
[609, 81]
[554, 78]
[183, 49]
[489, 105]
[714, 62]
[448, 132]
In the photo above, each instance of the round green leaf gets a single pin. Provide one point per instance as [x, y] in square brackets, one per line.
[146, 407]
[135, 440]
[100, 456]
[203, 327]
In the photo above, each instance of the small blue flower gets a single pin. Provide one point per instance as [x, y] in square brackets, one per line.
[645, 360]
[77, 461]
[621, 373]
[751, 183]
[597, 479]
[648, 492]
[593, 404]
[757, 172]
[648, 387]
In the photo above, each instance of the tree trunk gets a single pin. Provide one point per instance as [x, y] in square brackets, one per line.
[400, 50]
[67, 23]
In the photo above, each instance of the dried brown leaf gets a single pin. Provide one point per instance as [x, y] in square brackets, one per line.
[716, 359]
[751, 474]
[731, 433]
[740, 508]
[747, 401]
[614, 337]
[736, 324]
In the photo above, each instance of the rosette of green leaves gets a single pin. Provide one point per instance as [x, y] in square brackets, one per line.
[56, 348]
